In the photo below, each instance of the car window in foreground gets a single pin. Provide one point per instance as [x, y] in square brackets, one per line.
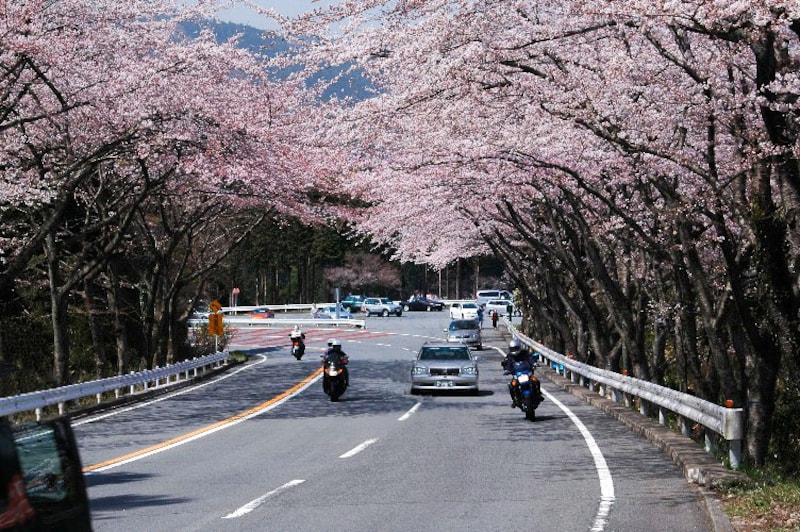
[51, 468]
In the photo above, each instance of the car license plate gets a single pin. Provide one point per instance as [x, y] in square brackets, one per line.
[444, 384]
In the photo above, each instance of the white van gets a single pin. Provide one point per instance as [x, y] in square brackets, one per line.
[484, 296]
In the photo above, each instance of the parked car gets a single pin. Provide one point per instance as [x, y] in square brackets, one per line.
[329, 312]
[200, 312]
[353, 302]
[465, 332]
[484, 296]
[261, 313]
[464, 311]
[421, 303]
[499, 305]
[382, 306]
[41, 480]
[442, 366]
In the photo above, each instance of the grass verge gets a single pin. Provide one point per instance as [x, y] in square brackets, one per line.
[770, 502]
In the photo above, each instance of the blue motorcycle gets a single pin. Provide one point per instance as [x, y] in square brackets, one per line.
[525, 389]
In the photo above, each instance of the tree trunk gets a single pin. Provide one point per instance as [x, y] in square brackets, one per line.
[60, 318]
[90, 292]
[763, 376]
[120, 331]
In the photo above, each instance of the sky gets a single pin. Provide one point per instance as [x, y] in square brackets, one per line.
[244, 15]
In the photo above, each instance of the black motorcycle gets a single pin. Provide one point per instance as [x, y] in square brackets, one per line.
[525, 389]
[334, 375]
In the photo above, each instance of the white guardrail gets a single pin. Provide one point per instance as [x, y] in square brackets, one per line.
[727, 422]
[134, 382]
[142, 381]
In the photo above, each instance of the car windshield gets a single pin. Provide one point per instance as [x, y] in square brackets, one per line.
[469, 305]
[386, 300]
[460, 325]
[444, 353]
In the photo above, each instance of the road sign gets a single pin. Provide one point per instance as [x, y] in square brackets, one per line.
[215, 306]
[215, 325]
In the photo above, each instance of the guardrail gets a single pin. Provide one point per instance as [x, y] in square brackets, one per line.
[727, 422]
[144, 380]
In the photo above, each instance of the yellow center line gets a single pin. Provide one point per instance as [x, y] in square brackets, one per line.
[214, 426]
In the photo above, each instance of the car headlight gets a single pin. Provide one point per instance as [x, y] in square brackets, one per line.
[469, 370]
[419, 370]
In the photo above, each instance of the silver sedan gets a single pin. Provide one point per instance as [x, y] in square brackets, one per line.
[444, 367]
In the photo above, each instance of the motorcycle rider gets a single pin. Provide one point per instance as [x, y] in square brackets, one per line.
[333, 352]
[297, 333]
[519, 357]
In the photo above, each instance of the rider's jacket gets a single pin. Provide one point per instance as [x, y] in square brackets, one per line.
[527, 362]
[333, 355]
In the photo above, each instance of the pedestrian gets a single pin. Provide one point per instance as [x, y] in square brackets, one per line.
[480, 316]
[494, 319]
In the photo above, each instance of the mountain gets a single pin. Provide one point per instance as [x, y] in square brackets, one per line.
[353, 86]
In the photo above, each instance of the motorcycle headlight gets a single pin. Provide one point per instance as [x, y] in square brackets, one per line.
[419, 370]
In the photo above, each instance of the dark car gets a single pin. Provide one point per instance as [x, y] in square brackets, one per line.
[352, 302]
[41, 481]
[421, 303]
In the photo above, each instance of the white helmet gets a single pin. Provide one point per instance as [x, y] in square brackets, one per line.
[334, 343]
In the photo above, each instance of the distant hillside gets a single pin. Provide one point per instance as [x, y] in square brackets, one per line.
[353, 86]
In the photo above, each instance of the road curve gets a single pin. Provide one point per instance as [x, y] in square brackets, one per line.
[261, 448]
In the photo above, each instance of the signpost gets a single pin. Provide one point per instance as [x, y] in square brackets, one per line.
[215, 325]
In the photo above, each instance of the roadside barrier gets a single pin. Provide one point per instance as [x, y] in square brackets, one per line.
[134, 382]
[727, 422]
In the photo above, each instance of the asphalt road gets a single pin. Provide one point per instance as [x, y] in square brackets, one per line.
[240, 453]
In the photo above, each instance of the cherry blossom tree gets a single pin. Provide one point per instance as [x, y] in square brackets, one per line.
[634, 162]
[112, 122]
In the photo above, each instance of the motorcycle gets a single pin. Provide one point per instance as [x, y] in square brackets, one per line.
[298, 346]
[526, 389]
[334, 375]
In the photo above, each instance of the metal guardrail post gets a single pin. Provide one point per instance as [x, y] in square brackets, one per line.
[686, 429]
[733, 431]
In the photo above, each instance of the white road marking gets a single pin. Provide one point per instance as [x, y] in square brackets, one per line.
[255, 503]
[358, 449]
[410, 412]
[607, 496]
